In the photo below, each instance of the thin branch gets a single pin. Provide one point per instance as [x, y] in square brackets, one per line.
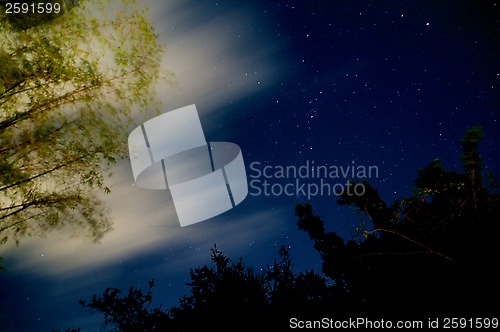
[450, 215]
[55, 102]
[44, 173]
[25, 146]
[44, 201]
[428, 250]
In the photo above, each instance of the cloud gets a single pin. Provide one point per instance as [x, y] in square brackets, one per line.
[144, 221]
[218, 60]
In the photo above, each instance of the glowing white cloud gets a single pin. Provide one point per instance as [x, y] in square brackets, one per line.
[213, 66]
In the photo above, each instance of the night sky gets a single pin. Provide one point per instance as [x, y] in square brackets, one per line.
[391, 84]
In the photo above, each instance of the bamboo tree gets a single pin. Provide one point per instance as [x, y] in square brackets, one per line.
[68, 87]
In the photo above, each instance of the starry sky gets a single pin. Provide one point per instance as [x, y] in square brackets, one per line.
[391, 84]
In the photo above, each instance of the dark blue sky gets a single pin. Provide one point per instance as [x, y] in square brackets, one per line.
[387, 83]
[391, 83]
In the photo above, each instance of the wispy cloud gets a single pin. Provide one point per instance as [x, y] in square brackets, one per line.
[216, 59]
[144, 220]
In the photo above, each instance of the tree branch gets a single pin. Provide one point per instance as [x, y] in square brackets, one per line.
[428, 250]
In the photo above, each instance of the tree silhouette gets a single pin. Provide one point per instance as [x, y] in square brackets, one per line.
[130, 312]
[225, 296]
[431, 254]
[68, 85]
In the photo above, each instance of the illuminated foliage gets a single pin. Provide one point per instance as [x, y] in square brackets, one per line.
[68, 85]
